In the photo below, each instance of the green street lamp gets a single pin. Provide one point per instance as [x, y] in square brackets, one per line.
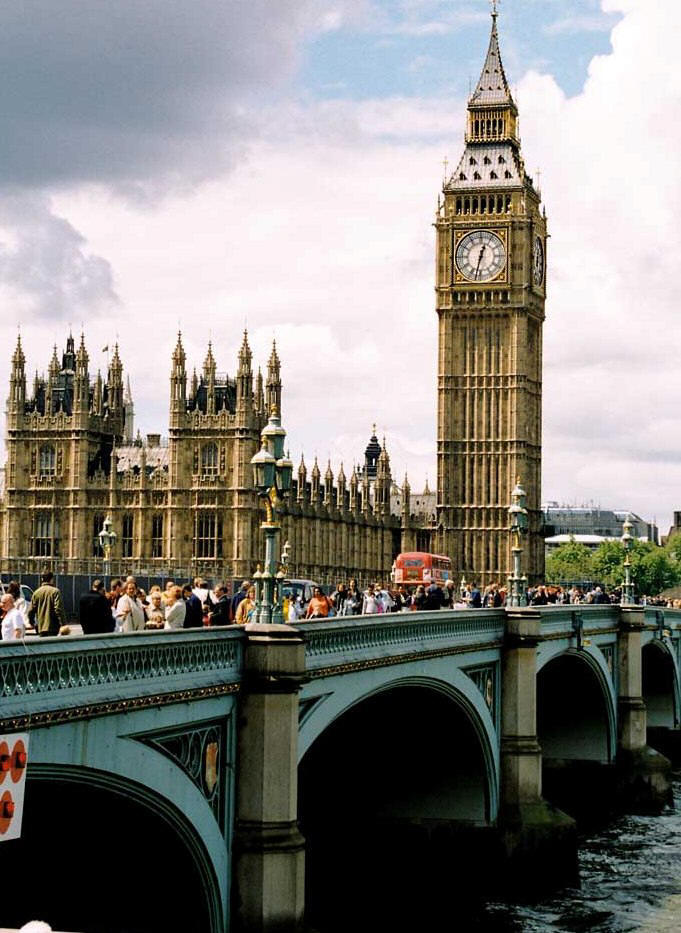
[518, 520]
[272, 474]
[627, 598]
[107, 539]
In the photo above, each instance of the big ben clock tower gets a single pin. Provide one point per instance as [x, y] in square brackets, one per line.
[491, 290]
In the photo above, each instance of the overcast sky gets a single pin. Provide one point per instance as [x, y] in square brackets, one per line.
[211, 163]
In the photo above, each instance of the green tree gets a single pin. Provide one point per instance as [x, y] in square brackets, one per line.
[653, 568]
[570, 562]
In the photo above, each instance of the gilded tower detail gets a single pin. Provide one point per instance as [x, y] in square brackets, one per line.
[491, 290]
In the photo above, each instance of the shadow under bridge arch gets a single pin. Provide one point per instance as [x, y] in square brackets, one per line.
[576, 728]
[98, 853]
[661, 695]
[394, 803]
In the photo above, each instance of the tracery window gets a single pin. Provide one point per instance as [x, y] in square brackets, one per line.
[209, 459]
[47, 460]
[157, 536]
[127, 533]
[45, 538]
[207, 535]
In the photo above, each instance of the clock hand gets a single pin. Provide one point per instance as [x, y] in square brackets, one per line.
[482, 253]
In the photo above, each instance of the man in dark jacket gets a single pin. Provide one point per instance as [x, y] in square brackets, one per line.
[194, 615]
[94, 611]
[220, 614]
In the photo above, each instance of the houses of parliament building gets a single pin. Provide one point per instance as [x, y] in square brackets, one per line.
[190, 505]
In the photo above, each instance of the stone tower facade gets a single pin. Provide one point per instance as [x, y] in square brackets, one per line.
[491, 290]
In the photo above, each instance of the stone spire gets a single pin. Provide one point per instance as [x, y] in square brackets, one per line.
[116, 383]
[342, 484]
[273, 388]
[371, 455]
[383, 482]
[315, 477]
[492, 88]
[328, 485]
[178, 380]
[81, 382]
[259, 393]
[209, 373]
[52, 376]
[354, 497]
[17, 392]
[129, 413]
[302, 479]
[244, 378]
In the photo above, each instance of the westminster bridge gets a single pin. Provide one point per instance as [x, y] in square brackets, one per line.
[222, 760]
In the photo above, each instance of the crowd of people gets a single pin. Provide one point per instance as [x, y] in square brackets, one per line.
[126, 607]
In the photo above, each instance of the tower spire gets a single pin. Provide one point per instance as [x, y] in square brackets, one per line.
[492, 86]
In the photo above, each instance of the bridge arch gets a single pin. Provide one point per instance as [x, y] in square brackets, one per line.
[112, 834]
[404, 776]
[660, 679]
[576, 729]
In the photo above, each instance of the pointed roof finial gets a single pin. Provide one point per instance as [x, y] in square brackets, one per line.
[492, 87]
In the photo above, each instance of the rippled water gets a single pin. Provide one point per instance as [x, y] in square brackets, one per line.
[630, 881]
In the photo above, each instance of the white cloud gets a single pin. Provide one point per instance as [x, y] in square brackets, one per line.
[569, 25]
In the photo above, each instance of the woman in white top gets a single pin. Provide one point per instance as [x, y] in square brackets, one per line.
[12, 622]
[176, 608]
[130, 611]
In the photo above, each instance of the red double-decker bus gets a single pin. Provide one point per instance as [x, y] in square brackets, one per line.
[419, 567]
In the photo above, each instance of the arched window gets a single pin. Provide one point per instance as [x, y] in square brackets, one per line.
[157, 536]
[209, 460]
[127, 533]
[207, 535]
[45, 541]
[48, 460]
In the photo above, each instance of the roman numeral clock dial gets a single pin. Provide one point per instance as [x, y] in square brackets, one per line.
[480, 256]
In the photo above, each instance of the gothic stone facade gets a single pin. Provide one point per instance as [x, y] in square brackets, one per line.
[490, 288]
[188, 506]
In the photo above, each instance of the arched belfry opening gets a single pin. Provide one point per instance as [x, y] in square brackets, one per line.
[394, 804]
[98, 859]
[575, 725]
[660, 697]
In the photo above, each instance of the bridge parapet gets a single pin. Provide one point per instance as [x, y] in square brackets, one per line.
[50, 679]
[559, 621]
[333, 644]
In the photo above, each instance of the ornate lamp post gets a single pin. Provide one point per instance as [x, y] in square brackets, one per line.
[517, 513]
[627, 598]
[107, 538]
[272, 472]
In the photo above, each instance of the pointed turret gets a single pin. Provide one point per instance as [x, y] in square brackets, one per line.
[97, 401]
[195, 383]
[341, 483]
[51, 387]
[68, 360]
[328, 486]
[371, 455]
[259, 394]
[315, 477]
[273, 393]
[116, 384]
[302, 479]
[17, 385]
[492, 88]
[383, 482]
[178, 381]
[354, 491]
[244, 377]
[406, 500]
[81, 382]
[128, 413]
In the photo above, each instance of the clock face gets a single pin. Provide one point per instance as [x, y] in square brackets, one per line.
[538, 262]
[480, 256]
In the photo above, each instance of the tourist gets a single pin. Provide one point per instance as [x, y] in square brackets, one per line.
[370, 604]
[170, 585]
[418, 600]
[240, 594]
[221, 611]
[13, 625]
[353, 600]
[94, 611]
[194, 615]
[130, 614]
[434, 597]
[339, 598]
[245, 607]
[474, 599]
[176, 610]
[47, 608]
[14, 589]
[115, 593]
[295, 608]
[155, 612]
[319, 606]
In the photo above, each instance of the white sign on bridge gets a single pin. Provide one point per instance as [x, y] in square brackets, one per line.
[13, 765]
